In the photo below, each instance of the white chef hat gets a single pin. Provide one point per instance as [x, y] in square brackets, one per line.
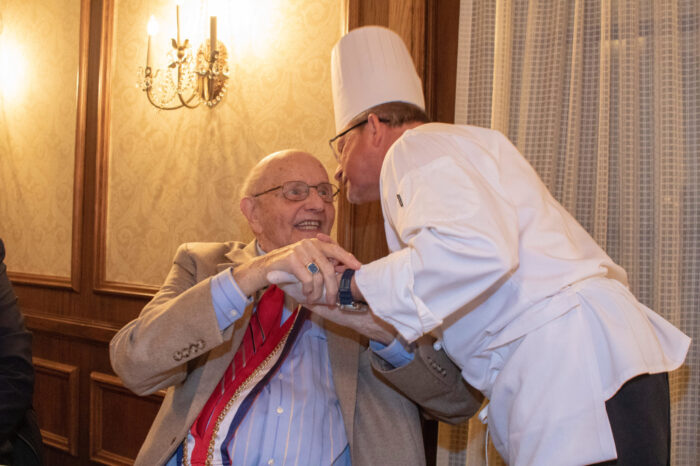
[371, 66]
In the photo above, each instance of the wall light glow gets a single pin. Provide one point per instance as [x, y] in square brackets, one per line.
[12, 69]
[251, 25]
[152, 27]
[246, 27]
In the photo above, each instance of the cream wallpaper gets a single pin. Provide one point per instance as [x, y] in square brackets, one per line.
[39, 56]
[174, 175]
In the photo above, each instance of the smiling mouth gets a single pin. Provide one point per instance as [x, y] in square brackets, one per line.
[308, 225]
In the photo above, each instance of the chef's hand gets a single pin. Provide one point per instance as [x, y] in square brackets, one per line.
[311, 262]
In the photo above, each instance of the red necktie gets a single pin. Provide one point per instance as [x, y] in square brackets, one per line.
[261, 337]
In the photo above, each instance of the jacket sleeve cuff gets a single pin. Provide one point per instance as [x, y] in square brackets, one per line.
[394, 353]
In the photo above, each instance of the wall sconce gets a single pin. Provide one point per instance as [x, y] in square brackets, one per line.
[188, 80]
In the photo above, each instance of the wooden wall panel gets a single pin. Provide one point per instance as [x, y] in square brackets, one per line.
[72, 282]
[56, 403]
[112, 407]
[99, 267]
[440, 73]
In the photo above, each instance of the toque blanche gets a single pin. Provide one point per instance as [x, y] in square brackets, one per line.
[371, 66]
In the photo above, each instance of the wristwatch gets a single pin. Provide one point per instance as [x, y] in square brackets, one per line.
[345, 299]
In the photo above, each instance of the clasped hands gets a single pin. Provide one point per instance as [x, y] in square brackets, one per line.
[316, 286]
[310, 270]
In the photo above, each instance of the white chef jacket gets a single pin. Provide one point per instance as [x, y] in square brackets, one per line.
[534, 312]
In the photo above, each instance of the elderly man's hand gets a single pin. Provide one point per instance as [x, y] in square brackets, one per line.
[293, 287]
[295, 260]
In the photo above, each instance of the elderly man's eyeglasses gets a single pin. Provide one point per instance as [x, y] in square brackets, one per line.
[298, 191]
[335, 141]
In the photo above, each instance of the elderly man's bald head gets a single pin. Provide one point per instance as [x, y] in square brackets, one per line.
[275, 220]
[270, 168]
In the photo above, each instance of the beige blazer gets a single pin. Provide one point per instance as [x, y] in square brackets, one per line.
[176, 344]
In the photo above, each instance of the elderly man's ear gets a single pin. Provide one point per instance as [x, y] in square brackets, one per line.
[248, 208]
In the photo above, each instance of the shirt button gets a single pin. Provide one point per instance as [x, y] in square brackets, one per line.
[271, 461]
[279, 411]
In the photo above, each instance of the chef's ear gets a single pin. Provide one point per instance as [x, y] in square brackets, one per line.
[376, 129]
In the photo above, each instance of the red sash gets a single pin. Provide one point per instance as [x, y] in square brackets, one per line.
[261, 337]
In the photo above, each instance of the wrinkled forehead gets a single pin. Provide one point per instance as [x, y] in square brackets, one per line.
[294, 167]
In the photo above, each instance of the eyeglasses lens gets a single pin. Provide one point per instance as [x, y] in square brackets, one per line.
[298, 191]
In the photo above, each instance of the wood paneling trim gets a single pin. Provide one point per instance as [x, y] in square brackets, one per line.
[429, 69]
[99, 383]
[101, 332]
[68, 444]
[102, 155]
[351, 12]
[440, 74]
[127, 289]
[41, 280]
[79, 163]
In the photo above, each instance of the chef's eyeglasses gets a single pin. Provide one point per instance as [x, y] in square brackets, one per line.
[334, 142]
[298, 191]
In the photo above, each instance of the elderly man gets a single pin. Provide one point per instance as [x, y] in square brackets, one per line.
[252, 377]
[534, 312]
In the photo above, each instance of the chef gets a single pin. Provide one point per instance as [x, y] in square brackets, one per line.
[533, 311]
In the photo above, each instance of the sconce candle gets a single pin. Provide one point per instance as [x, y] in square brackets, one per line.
[177, 18]
[148, 53]
[152, 29]
[212, 40]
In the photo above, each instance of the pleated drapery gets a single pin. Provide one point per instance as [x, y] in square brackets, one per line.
[603, 98]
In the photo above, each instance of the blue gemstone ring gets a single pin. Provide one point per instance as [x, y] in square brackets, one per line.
[312, 267]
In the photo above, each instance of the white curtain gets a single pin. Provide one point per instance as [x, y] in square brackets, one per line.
[603, 98]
